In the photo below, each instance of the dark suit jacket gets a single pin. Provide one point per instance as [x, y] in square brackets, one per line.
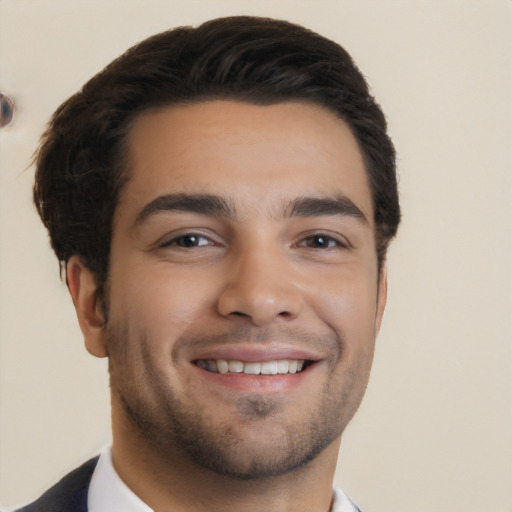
[68, 495]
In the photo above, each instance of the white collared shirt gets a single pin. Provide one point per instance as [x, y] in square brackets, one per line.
[108, 493]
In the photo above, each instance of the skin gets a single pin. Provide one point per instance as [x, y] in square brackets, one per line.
[256, 273]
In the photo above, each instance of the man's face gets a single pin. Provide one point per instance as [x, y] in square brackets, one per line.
[242, 250]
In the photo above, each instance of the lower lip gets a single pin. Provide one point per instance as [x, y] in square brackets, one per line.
[265, 384]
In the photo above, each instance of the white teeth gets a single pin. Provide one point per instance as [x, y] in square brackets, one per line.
[282, 366]
[269, 368]
[223, 366]
[236, 366]
[252, 368]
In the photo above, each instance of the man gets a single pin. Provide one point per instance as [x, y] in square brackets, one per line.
[221, 200]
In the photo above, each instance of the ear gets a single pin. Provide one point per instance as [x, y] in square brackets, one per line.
[382, 295]
[83, 287]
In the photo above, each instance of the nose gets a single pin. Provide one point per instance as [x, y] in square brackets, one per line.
[262, 288]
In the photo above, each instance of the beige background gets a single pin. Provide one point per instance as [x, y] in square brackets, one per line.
[435, 430]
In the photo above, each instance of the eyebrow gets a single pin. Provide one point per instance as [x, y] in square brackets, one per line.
[216, 206]
[318, 206]
[205, 204]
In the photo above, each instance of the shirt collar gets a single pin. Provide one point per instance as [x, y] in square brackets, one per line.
[108, 493]
[341, 503]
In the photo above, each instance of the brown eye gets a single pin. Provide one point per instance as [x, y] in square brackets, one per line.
[188, 241]
[321, 242]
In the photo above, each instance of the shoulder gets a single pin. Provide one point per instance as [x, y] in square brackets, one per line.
[68, 495]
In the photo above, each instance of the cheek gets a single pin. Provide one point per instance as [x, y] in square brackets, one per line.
[347, 302]
[159, 302]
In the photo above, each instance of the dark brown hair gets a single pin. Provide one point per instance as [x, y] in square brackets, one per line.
[80, 164]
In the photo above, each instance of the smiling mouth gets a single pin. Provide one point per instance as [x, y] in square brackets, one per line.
[278, 367]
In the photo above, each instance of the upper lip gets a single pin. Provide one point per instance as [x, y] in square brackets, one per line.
[257, 353]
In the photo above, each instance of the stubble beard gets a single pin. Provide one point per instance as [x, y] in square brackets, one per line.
[172, 427]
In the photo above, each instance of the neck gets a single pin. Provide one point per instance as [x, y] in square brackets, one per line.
[169, 483]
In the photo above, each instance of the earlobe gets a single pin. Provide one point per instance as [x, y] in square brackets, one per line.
[83, 287]
[382, 295]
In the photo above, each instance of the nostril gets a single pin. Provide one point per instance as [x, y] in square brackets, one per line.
[283, 314]
[259, 302]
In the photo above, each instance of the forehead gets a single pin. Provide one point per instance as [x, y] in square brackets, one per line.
[255, 156]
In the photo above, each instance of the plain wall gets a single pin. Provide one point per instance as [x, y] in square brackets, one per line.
[434, 432]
